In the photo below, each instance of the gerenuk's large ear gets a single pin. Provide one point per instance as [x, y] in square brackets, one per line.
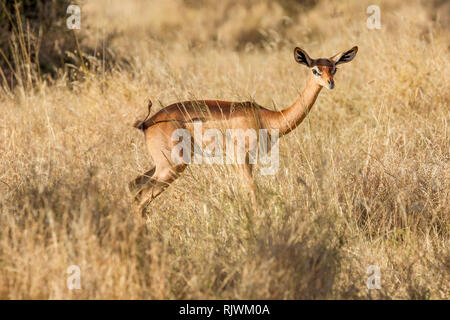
[302, 57]
[345, 56]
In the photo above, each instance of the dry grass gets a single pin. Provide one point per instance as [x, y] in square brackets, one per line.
[363, 181]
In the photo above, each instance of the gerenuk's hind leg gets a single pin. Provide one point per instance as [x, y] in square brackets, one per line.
[160, 145]
[135, 186]
[157, 184]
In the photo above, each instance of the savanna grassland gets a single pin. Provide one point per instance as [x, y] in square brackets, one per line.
[363, 181]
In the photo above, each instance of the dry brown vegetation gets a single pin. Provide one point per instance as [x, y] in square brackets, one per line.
[363, 181]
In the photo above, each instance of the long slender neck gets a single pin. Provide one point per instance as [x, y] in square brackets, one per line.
[288, 119]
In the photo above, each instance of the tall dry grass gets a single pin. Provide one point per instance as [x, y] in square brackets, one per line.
[363, 181]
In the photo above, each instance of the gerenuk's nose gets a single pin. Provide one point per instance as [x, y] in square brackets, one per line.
[331, 84]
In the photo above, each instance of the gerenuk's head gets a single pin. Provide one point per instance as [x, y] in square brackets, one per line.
[324, 69]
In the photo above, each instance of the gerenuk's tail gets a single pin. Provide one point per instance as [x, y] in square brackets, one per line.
[140, 124]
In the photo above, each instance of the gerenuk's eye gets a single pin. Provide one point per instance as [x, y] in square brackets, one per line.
[315, 72]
